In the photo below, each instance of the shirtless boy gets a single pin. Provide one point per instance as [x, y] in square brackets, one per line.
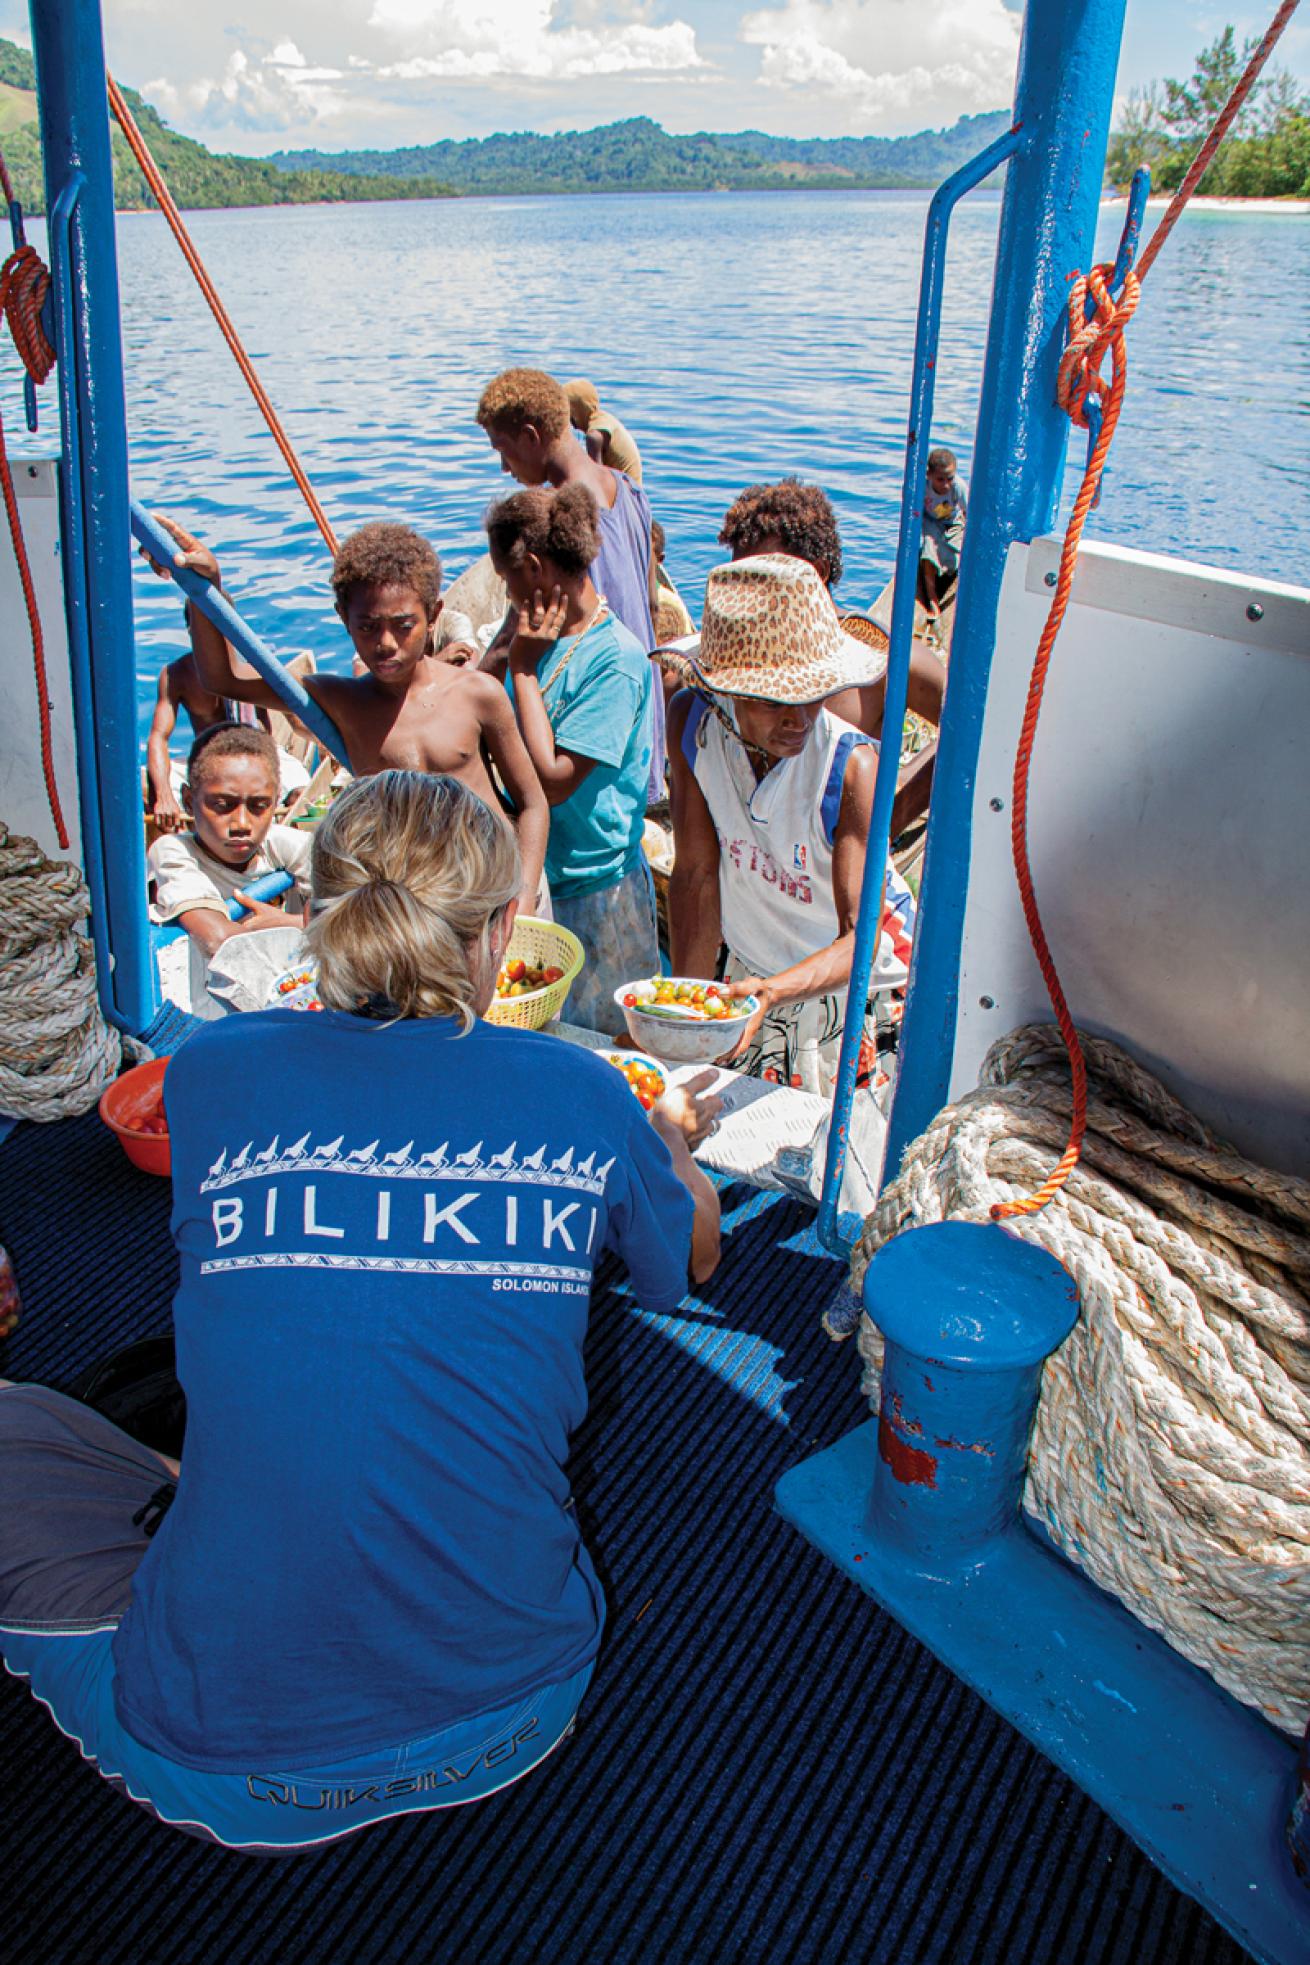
[180, 688]
[409, 710]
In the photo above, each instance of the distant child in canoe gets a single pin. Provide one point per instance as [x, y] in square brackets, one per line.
[230, 794]
[408, 710]
[945, 506]
[672, 619]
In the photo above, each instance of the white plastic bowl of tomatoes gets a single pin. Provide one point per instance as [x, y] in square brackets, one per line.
[647, 1078]
[684, 1019]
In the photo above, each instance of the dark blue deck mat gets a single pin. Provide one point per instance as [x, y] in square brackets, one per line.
[766, 1769]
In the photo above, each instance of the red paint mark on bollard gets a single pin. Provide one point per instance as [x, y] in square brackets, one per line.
[928, 1382]
[909, 1464]
[967, 1446]
[903, 1424]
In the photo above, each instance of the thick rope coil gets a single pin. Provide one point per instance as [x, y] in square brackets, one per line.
[1171, 1453]
[57, 1053]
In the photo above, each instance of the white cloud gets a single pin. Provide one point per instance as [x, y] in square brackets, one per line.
[482, 40]
[890, 61]
[282, 92]
[410, 43]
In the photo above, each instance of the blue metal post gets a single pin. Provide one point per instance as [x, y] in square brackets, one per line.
[266, 887]
[969, 1315]
[70, 65]
[1067, 65]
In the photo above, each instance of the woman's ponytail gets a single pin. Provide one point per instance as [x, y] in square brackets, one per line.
[410, 871]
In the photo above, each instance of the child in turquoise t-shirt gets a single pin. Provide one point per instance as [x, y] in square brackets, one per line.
[582, 691]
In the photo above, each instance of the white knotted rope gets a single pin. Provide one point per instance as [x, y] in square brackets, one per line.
[57, 1053]
[1170, 1458]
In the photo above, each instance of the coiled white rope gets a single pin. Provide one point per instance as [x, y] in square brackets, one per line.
[57, 1053]
[1170, 1458]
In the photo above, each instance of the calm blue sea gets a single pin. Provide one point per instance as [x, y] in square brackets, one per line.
[739, 337]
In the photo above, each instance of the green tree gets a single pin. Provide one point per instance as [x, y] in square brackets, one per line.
[1139, 137]
[1190, 107]
[1266, 153]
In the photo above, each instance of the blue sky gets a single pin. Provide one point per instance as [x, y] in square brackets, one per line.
[261, 75]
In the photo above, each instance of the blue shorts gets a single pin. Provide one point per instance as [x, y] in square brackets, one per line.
[67, 1553]
[617, 927]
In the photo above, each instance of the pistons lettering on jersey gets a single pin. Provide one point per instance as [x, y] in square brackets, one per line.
[751, 857]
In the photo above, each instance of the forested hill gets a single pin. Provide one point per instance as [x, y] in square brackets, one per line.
[638, 155]
[195, 176]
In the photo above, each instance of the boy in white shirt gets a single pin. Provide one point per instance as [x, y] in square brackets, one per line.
[230, 794]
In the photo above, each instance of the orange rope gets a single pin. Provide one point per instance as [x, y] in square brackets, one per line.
[164, 198]
[24, 283]
[1079, 378]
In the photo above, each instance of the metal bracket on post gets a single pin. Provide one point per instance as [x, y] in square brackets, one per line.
[1138, 193]
[869, 921]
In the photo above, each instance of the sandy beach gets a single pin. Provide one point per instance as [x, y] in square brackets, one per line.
[1296, 207]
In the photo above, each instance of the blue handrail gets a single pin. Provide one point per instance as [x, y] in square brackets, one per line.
[266, 887]
[869, 921]
[218, 608]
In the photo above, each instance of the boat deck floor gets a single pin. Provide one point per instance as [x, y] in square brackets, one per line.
[766, 1768]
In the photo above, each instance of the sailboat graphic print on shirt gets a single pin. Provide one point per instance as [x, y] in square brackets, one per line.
[437, 1163]
[494, 1213]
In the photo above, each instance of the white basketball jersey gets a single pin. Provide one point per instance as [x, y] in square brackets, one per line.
[775, 847]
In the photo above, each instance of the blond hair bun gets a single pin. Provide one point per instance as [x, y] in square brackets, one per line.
[410, 871]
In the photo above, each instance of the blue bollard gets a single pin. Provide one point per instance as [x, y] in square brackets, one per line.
[969, 1314]
[921, 1511]
[1298, 1821]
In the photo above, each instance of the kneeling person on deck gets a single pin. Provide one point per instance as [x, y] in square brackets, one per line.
[371, 1595]
[772, 797]
[408, 709]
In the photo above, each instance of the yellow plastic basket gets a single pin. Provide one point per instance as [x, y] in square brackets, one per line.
[542, 945]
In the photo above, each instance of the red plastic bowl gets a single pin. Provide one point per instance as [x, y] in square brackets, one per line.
[129, 1100]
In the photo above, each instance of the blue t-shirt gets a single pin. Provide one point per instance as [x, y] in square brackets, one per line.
[599, 705]
[387, 1236]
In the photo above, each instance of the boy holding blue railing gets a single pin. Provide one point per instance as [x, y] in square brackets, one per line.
[230, 794]
[405, 707]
